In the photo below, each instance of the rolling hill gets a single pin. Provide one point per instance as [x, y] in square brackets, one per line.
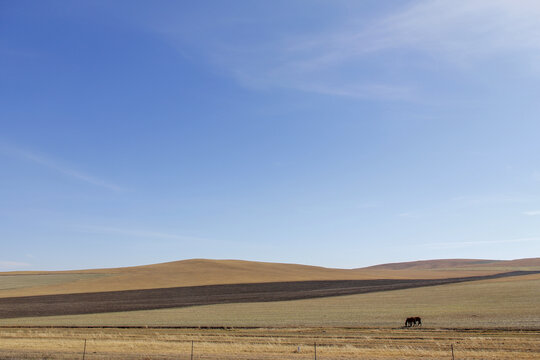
[200, 282]
[198, 272]
[461, 264]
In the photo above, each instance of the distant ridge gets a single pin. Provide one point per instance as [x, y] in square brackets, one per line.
[198, 272]
[434, 264]
[148, 299]
[458, 264]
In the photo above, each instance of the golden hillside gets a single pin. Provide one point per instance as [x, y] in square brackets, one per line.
[209, 272]
[461, 264]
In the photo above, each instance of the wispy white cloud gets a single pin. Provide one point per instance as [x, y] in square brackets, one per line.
[310, 73]
[56, 165]
[342, 60]
[368, 205]
[139, 233]
[490, 199]
[465, 244]
[409, 215]
[532, 213]
[462, 30]
[362, 91]
[13, 265]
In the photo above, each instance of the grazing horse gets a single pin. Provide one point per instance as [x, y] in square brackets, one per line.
[413, 321]
[409, 322]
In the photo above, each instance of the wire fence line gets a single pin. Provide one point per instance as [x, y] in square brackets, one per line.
[314, 351]
[267, 344]
[304, 351]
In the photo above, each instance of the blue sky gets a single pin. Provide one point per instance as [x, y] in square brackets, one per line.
[333, 133]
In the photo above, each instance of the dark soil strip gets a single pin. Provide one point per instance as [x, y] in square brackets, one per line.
[101, 302]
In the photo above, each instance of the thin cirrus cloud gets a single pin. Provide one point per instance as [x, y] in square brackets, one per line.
[459, 30]
[532, 213]
[139, 233]
[489, 199]
[458, 33]
[409, 215]
[12, 264]
[365, 91]
[465, 244]
[60, 168]
[455, 31]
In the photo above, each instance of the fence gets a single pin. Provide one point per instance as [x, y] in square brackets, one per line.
[303, 350]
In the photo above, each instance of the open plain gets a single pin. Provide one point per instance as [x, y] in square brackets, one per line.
[269, 180]
[267, 343]
[113, 301]
[489, 311]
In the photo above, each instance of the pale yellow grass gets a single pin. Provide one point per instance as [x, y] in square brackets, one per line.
[11, 282]
[267, 343]
[480, 304]
[209, 272]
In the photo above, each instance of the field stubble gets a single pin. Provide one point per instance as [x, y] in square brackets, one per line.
[493, 319]
[481, 304]
[267, 343]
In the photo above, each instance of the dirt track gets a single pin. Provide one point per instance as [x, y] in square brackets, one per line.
[101, 302]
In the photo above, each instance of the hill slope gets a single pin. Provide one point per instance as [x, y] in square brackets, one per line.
[434, 264]
[460, 264]
[197, 272]
[113, 301]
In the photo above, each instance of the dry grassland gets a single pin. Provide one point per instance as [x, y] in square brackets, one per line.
[493, 319]
[211, 272]
[12, 282]
[268, 343]
[499, 303]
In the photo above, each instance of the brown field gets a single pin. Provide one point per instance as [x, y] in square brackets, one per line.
[510, 303]
[147, 299]
[496, 318]
[267, 343]
[199, 272]
[11, 282]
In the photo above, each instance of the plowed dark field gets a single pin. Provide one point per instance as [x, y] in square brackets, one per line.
[101, 302]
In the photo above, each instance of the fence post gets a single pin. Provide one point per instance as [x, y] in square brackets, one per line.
[452, 347]
[191, 349]
[84, 351]
[315, 346]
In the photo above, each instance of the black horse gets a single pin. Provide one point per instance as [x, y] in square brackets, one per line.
[409, 322]
[413, 321]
